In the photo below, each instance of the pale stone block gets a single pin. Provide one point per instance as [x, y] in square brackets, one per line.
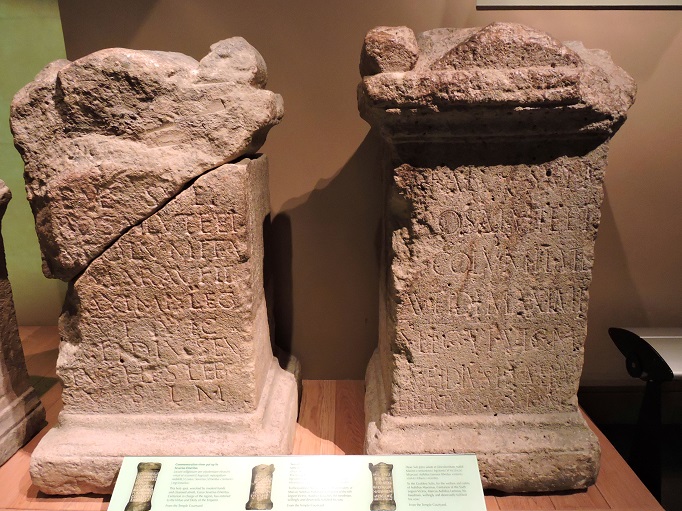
[165, 345]
[21, 413]
[497, 141]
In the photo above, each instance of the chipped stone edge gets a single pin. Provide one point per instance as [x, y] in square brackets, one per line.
[598, 86]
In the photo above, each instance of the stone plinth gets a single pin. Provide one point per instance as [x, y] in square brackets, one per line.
[498, 141]
[165, 347]
[21, 412]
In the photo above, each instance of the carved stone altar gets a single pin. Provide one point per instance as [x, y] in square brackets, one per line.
[21, 412]
[165, 347]
[498, 141]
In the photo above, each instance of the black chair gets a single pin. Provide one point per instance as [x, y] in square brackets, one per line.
[655, 356]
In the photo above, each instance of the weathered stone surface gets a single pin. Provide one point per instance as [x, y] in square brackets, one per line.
[388, 49]
[498, 141]
[165, 343]
[111, 137]
[525, 91]
[21, 412]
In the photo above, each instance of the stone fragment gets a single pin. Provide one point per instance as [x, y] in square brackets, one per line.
[111, 137]
[21, 412]
[165, 343]
[388, 49]
[498, 140]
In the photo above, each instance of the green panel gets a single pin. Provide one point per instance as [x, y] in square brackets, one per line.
[31, 9]
[30, 38]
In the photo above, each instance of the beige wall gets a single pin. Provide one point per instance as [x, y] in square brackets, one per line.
[323, 161]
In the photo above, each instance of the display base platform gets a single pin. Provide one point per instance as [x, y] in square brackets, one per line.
[84, 452]
[331, 421]
[516, 453]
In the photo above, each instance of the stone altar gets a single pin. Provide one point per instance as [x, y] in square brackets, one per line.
[497, 141]
[21, 413]
[150, 201]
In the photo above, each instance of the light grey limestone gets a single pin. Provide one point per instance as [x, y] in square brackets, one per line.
[498, 141]
[165, 344]
[21, 413]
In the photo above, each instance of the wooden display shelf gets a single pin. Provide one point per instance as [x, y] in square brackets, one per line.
[331, 421]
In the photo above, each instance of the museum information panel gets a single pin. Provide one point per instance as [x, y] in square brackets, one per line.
[329, 483]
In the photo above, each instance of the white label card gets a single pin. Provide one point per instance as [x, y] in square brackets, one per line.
[294, 483]
[642, 4]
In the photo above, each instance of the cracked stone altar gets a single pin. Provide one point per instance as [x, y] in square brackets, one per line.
[21, 413]
[150, 199]
[497, 141]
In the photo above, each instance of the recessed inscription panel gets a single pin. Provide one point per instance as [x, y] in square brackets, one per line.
[171, 317]
[491, 286]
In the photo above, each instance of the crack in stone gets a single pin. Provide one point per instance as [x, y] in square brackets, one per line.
[188, 184]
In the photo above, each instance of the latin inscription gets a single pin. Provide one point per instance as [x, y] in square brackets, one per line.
[492, 286]
[523, 219]
[197, 249]
[452, 260]
[196, 299]
[485, 339]
[443, 306]
[171, 304]
[200, 221]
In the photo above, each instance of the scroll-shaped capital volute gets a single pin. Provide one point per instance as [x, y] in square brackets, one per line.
[503, 80]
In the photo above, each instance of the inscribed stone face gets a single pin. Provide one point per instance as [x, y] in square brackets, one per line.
[21, 412]
[497, 140]
[492, 277]
[173, 314]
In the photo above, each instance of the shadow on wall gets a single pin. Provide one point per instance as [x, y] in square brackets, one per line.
[80, 21]
[614, 300]
[327, 316]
